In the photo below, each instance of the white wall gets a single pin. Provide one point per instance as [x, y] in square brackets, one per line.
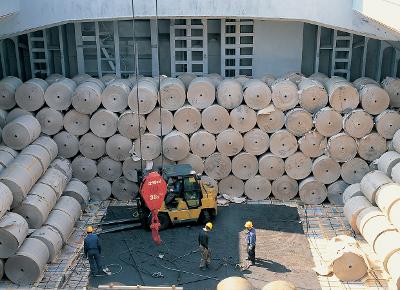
[278, 47]
[34, 14]
[8, 7]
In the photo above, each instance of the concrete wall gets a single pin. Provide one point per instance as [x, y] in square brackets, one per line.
[278, 47]
[34, 14]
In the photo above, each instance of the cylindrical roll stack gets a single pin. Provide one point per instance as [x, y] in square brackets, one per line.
[323, 131]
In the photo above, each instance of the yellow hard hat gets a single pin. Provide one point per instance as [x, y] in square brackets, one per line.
[89, 229]
[209, 225]
[248, 225]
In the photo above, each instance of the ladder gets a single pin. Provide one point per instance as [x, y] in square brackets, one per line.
[188, 43]
[38, 53]
[237, 47]
[341, 54]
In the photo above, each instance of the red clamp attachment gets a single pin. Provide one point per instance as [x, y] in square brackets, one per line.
[153, 191]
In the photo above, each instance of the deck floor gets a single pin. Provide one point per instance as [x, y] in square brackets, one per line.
[319, 224]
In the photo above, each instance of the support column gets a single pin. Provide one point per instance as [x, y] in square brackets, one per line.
[79, 48]
[154, 48]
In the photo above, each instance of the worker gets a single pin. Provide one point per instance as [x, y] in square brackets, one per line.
[174, 191]
[250, 242]
[92, 251]
[203, 245]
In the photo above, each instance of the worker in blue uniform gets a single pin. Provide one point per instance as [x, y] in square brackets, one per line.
[92, 250]
[250, 242]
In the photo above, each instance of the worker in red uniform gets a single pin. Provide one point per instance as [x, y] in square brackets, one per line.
[250, 242]
[203, 245]
[92, 250]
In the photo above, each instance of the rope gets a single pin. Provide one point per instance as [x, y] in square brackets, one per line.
[137, 84]
[159, 89]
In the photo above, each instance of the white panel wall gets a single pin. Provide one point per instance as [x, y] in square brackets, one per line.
[278, 47]
[34, 14]
[8, 7]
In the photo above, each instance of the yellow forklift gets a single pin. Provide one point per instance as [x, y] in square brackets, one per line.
[188, 198]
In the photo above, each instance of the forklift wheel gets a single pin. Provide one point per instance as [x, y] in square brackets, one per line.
[205, 217]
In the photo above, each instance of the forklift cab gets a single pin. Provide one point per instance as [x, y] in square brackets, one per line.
[184, 189]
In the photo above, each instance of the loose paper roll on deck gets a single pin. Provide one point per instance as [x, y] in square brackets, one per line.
[147, 147]
[215, 119]
[354, 170]
[30, 95]
[230, 142]
[217, 166]
[284, 94]
[8, 86]
[271, 166]
[115, 95]
[215, 78]
[342, 147]
[232, 186]
[154, 124]
[91, 146]
[187, 119]
[312, 144]
[87, 97]
[201, 93]
[270, 119]
[371, 147]
[147, 98]
[298, 166]
[298, 122]
[283, 143]
[392, 87]
[128, 124]
[284, 188]
[328, 122]
[58, 96]
[312, 191]
[6, 199]
[257, 188]
[353, 207]
[256, 142]
[243, 119]
[229, 94]
[387, 123]
[312, 95]
[343, 96]
[358, 123]
[244, 165]
[362, 81]
[325, 169]
[256, 94]
[76, 123]
[176, 146]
